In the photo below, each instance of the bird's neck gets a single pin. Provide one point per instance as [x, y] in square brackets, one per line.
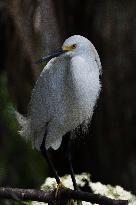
[81, 64]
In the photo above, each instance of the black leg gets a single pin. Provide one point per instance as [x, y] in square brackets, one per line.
[70, 163]
[45, 154]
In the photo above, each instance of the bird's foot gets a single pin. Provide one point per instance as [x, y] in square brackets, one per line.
[74, 202]
[71, 202]
[59, 187]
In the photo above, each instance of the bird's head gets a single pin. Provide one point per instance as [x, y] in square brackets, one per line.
[74, 45]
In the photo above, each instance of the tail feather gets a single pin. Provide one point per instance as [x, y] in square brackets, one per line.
[24, 123]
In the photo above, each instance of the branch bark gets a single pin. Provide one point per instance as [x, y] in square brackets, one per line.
[48, 197]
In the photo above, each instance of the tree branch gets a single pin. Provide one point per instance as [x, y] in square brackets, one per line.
[48, 197]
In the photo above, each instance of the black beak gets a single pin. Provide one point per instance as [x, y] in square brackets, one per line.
[50, 56]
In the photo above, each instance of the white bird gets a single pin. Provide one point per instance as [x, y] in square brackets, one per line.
[64, 95]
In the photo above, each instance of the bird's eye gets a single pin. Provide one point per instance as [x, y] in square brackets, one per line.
[74, 46]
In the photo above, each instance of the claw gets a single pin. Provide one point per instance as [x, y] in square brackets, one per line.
[59, 186]
[71, 202]
[74, 202]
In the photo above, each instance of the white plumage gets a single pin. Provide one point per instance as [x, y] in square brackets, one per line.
[64, 95]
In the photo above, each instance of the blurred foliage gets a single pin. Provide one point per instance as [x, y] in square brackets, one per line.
[17, 159]
[6, 107]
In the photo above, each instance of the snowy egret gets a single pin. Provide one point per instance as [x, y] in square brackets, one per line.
[64, 96]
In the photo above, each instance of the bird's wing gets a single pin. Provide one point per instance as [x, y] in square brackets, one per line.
[38, 110]
[33, 126]
[46, 99]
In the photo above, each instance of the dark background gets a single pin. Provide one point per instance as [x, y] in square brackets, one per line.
[32, 28]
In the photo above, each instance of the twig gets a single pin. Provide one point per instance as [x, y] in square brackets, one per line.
[48, 197]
